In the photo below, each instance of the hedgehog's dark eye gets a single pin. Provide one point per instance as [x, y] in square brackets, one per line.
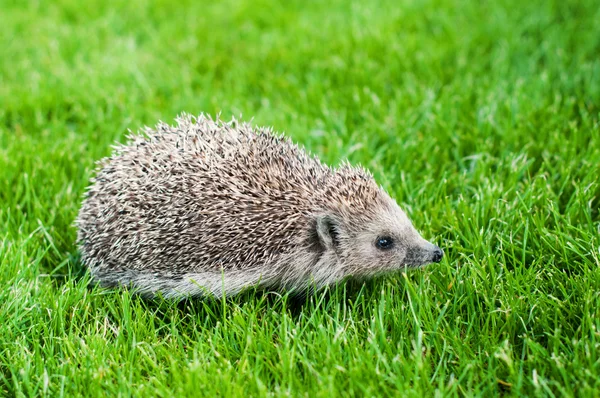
[384, 243]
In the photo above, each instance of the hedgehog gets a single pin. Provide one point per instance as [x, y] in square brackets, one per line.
[208, 208]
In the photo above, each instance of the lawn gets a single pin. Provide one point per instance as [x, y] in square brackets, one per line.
[481, 118]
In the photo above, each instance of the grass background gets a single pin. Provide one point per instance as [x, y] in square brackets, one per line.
[481, 118]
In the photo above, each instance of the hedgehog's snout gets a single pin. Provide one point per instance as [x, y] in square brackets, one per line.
[423, 253]
[432, 253]
[437, 254]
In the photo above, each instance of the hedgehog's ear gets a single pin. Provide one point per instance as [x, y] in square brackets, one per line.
[328, 232]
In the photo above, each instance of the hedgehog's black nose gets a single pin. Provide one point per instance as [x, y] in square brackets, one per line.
[437, 255]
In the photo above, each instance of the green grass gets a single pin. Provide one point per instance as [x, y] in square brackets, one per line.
[480, 118]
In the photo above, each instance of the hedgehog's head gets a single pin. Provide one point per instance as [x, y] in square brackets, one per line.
[380, 240]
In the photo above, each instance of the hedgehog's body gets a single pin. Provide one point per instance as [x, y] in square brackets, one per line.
[208, 208]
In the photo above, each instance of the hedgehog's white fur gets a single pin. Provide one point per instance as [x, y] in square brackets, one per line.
[207, 208]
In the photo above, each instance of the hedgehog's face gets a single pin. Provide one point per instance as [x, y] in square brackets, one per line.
[383, 242]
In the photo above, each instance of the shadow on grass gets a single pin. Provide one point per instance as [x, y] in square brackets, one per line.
[192, 314]
[262, 301]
